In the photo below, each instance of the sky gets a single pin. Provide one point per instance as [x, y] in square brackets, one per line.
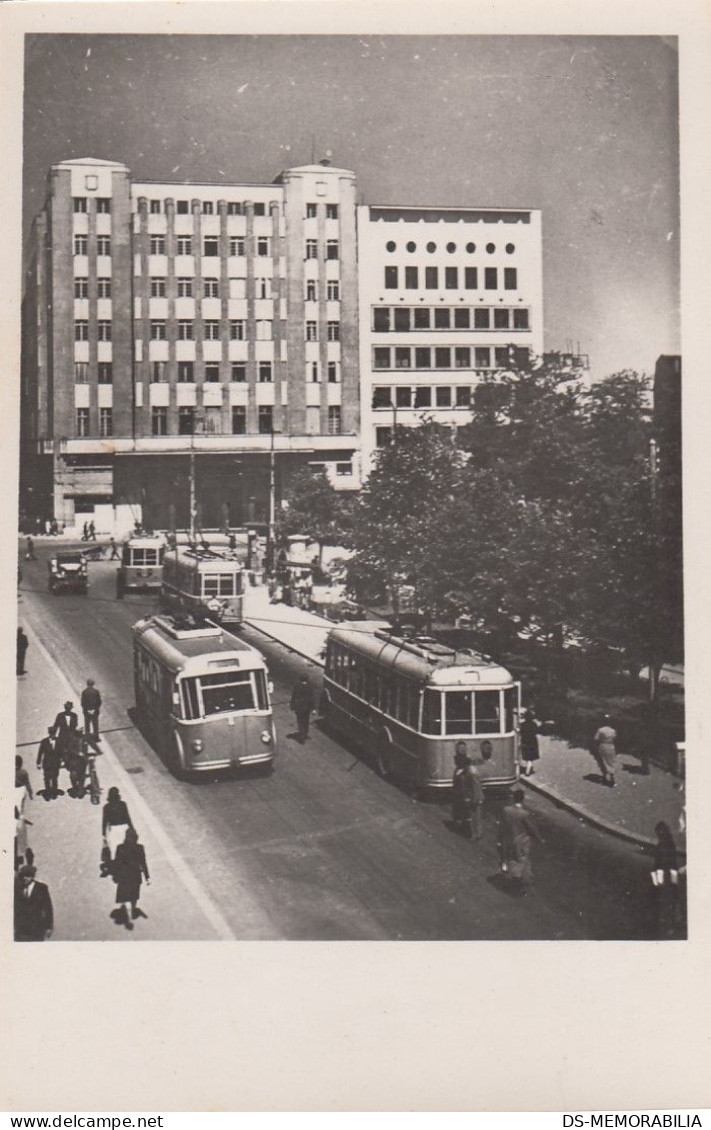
[584, 128]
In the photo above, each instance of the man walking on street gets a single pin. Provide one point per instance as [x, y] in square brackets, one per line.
[518, 833]
[302, 703]
[22, 644]
[22, 777]
[49, 761]
[115, 556]
[91, 705]
[34, 917]
[468, 795]
[65, 722]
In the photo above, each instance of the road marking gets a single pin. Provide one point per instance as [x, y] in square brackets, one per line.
[181, 868]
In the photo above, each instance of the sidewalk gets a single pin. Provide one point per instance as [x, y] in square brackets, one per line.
[66, 836]
[569, 776]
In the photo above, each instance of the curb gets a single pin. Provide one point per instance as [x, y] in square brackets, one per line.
[645, 842]
[589, 817]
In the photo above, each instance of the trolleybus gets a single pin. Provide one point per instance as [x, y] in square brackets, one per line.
[207, 583]
[141, 567]
[410, 701]
[202, 695]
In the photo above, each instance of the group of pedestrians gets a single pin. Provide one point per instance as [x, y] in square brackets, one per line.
[69, 746]
[88, 532]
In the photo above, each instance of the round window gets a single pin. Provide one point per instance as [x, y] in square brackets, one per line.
[471, 248]
[431, 247]
[411, 246]
[451, 247]
[391, 245]
[510, 248]
[491, 248]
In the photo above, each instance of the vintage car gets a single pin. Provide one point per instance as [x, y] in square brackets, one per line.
[68, 572]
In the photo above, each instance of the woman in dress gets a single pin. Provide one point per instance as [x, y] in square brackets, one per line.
[129, 870]
[529, 742]
[665, 881]
[115, 821]
[604, 740]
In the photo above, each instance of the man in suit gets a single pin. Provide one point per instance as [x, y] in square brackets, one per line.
[34, 917]
[64, 723]
[91, 705]
[49, 760]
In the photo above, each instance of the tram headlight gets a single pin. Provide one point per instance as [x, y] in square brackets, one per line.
[197, 745]
[266, 737]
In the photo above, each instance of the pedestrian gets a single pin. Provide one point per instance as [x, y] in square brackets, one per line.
[468, 795]
[30, 550]
[529, 742]
[518, 833]
[91, 705]
[302, 703]
[54, 528]
[665, 881]
[75, 761]
[64, 723]
[22, 777]
[23, 852]
[49, 760]
[92, 531]
[604, 740]
[22, 645]
[115, 821]
[114, 556]
[85, 532]
[34, 917]
[39, 527]
[129, 869]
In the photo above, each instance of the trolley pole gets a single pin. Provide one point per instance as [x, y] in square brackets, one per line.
[272, 503]
[656, 595]
[193, 504]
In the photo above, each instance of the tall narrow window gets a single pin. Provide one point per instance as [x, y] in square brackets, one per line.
[103, 204]
[312, 331]
[238, 372]
[331, 211]
[491, 279]
[211, 288]
[334, 420]
[314, 372]
[402, 318]
[463, 357]
[333, 372]
[431, 278]
[81, 372]
[442, 318]
[262, 288]
[236, 245]
[106, 373]
[237, 328]
[470, 278]
[185, 330]
[157, 245]
[212, 331]
[103, 330]
[82, 422]
[265, 419]
[331, 248]
[334, 331]
[158, 288]
[443, 357]
[451, 278]
[381, 319]
[234, 208]
[421, 318]
[264, 329]
[103, 288]
[443, 397]
[106, 424]
[311, 249]
[333, 290]
[311, 211]
[155, 207]
[211, 246]
[182, 207]
[311, 290]
[186, 421]
[520, 319]
[81, 243]
[81, 330]
[462, 318]
[239, 419]
[262, 246]
[265, 372]
[482, 357]
[391, 278]
[185, 288]
[80, 203]
[411, 278]
[381, 357]
[81, 288]
[186, 372]
[207, 208]
[159, 421]
[482, 318]
[501, 319]
[510, 278]
[159, 372]
[184, 245]
[103, 245]
[212, 372]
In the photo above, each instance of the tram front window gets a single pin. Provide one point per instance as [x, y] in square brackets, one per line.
[487, 712]
[458, 712]
[234, 691]
[432, 713]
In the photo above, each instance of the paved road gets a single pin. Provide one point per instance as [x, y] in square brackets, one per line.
[324, 849]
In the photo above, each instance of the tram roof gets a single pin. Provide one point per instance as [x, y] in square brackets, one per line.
[178, 649]
[423, 660]
[204, 557]
[145, 541]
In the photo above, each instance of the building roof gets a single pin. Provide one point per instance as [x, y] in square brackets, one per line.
[91, 161]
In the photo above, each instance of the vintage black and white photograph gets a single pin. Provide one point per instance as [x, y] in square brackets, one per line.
[349, 571]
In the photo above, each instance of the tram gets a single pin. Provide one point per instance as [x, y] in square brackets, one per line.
[411, 701]
[141, 567]
[202, 695]
[206, 583]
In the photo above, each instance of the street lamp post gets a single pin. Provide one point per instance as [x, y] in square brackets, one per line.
[271, 532]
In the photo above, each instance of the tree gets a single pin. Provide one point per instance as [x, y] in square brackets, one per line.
[315, 509]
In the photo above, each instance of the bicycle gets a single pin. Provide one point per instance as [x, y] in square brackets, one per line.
[93, 777]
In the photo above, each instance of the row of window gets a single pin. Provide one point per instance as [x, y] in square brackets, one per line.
[441, 357]
[160, 373]
[333, 290]
[264, 329]
[184, 246]
[187, 419]
[312, 211]
[81, 288]
[332, 251]
[402, 319]
[333, 331]
[208, 207]
[424, 396]
[411, 246]
[81, 245]
[105, 372]
[103, 203]
[409, 278]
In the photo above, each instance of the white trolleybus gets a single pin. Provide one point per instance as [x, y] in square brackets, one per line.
[202, 696]
[409, 701]
[206, 583]
[141, 567]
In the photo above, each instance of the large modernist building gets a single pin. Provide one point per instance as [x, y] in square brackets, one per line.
[226, 326]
